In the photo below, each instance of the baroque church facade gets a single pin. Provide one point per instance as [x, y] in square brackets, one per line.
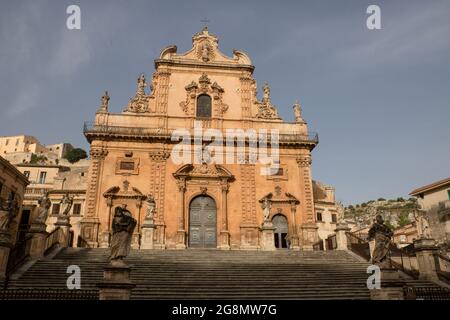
[202, 204]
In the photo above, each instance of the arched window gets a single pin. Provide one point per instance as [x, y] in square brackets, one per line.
[204, 106]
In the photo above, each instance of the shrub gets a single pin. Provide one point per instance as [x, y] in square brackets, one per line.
[76, 155]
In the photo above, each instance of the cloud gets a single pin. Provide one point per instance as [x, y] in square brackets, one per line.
[28, 98]
[412, 35]
[72, 52]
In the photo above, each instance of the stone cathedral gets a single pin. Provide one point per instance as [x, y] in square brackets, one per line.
[200, 204]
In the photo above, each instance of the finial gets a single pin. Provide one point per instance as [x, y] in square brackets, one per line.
[298, 112]
[266, 92]
[205, 21]
[141, 84]
[105, 103]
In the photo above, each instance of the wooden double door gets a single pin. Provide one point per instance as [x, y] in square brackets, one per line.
[202, 223]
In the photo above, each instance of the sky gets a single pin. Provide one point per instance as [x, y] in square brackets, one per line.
[379, 99]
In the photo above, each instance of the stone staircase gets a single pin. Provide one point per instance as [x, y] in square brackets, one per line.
[214, 274]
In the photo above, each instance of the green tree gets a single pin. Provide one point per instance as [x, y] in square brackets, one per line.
[400, 199]
[389, 225]
[403, 219]
[381, 199]
[37, 159]
[75, 155]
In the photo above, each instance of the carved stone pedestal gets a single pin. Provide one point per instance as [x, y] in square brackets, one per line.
[181, 240]
[135, 241]
[309, 235]
[224, 240]
[116, 283]
[147, 235]
[391, 286]
[89, 231]
[39, 233]
[63, 223]
[104, 239]
[427, 260]
[341, 237]
[5, 248]
[267, 236]
[295, 242]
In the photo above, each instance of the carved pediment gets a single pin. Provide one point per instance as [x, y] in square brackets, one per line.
[116, 192]
[203, 171]
[282, 198]
[205, 50]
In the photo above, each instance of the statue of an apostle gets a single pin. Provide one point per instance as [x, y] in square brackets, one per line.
[123, 225]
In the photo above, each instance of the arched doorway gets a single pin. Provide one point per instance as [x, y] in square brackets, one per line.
[202, 223]
[281, 230]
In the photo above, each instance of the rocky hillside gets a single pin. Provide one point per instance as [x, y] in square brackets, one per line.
[396, 212]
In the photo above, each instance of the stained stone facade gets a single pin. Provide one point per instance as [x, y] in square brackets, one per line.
[197, 204]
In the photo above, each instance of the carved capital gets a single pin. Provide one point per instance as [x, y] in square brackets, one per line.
[98, 153]
[225, 186]
[159, 155]
[181, 184]
[304, 161]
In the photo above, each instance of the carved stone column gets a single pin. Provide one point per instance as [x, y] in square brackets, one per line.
[135, 239]
[157, 187]
[224, 233]
[181, 233]
[308, 227]
[90, 223]
[295, 242]
[105, 236]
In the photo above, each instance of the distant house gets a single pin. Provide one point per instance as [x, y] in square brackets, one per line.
[405, 235]
[434, 198]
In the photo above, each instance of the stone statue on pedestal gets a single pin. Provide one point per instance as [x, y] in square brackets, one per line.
[10, 211]
[122, 231]
[422, 223]
[105, 102]
[298, 112]
[151, 205]
[266, 206]
[382, 235]
[44, 207]
[66, 204]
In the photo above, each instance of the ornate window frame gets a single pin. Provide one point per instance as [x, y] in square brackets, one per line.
[135, 162]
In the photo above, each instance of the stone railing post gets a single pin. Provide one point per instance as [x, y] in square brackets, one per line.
[341, 237]
[64, 234]
[427, 259]
[267, 236]
[39, 234]
[5, 248]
